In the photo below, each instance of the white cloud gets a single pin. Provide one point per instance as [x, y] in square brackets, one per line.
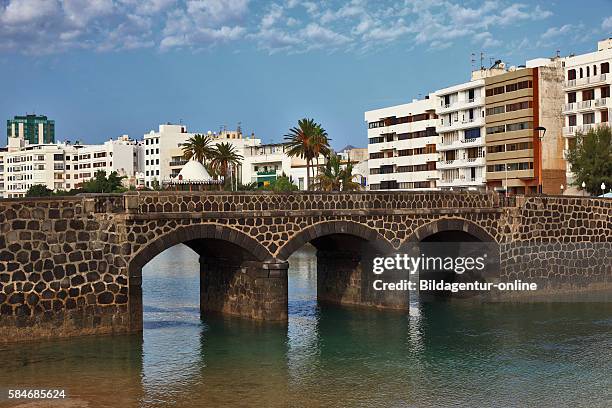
[275, 25]
[607, 24]
[28, 11]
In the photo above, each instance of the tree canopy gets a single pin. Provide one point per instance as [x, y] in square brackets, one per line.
[591, 159]
[39, 190]
[103, 184]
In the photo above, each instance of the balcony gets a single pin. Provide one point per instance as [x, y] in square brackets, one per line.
[263, 173]
[460, 144]
[574, 83]
[570, 131]
[457, 163]
[178, 163]
[457, 125]
[459, 105]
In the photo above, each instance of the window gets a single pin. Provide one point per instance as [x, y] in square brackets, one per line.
[605, 68]
[571, 119]
[518, 126]
[378, 139]
[571, 74]
[495, 110]
[518, 106]
[588, 72]
[588, 118]
[581, 73]
[472, 133]
[571, 97]
[604, 116]
[377, 155]
[496, 149]
[605, 91]
[496, 129]
[58, 157]
[495, 91]
[588, 94]
[594, 69]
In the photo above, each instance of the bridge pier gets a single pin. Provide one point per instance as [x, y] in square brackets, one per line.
[251, 289]
[345, 277]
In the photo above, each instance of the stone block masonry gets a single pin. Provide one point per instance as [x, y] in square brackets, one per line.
[73, 265]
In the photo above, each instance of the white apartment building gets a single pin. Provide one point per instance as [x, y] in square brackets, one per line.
[587, 94]
[402, 143]
[461, 126]
[163, 150]
[262, 164]
[3, 151]
[64, 166]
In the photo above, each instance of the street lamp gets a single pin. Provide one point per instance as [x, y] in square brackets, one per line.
[603, 188]
[583, 187]
[541, 133]
[562, 189]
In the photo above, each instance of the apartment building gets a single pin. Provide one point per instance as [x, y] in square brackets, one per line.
[264, 163]
[522, 157]
[34, 129]
[164, 150]
[586, 88]
[402, 143]
[3, 151]
[64, 166]
[461, 126]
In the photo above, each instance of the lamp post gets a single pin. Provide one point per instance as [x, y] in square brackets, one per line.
[561, 189]
[506, 189]
[583, 187]
[603, 188]
[541, 133]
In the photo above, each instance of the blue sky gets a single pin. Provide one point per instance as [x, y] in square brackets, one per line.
[102, 68]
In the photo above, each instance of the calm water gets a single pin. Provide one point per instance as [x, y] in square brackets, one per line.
[440, 354]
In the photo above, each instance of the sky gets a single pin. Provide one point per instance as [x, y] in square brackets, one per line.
[103, 68]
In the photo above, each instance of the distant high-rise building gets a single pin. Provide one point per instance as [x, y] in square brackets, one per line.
[35, 129]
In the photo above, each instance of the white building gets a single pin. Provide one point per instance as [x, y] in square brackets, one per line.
[163, 158]
[587, 94]
[461, 126]
[3, 152]
[402, 143]
[64, 166]
[262, 164]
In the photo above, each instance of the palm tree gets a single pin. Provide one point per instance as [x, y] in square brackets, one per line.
[302, 140]
[225, 157]
[336, 178]
[198, 147]
[320, 145]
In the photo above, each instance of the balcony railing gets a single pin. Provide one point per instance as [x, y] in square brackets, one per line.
[570, 131]
[178, 163]
[266, 173]
[585, 81]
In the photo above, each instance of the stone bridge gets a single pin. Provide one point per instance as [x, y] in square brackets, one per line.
[73, 265]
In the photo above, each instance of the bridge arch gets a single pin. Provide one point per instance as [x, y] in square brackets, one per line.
[189, 234]
[447, 225]
[334, 227]
[345, 251]
[235, 269]
[456, 238]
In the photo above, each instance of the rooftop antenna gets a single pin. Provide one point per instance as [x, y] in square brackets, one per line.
[491, 60]
[473, 60]
[481, 60]
[239, 128]
[558, 53]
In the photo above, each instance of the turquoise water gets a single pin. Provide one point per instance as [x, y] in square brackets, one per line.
[438, 354]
